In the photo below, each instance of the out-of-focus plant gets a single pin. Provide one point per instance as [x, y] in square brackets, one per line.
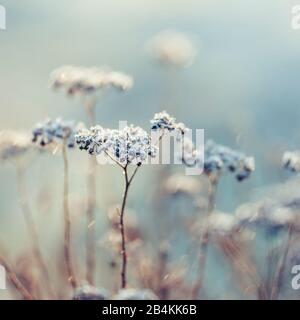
[88, 82]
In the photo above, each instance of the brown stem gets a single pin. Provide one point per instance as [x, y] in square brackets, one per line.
[67, 223]
[128, 181]
[91, 202]
[204, 241]
[281, 269]
[13, 278]
[31, 228]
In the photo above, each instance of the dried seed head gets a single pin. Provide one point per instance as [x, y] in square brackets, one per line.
[182, 184]
[55, 131]
[14, 144]
[172, 48]
[291, 161]
[83, 80]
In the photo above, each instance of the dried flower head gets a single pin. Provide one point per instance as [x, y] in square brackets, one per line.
[14, 144]
[88, 292]
[83, 80]
[267, 213]
[172, 48]
[291, 161]
[182, 184]
[131, 145]
[55, 131]
[135, 294]
[218, 157]
[221, 223]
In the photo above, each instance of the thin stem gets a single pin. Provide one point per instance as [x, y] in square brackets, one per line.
[31, 228]
[15, 280]
[67, 222]
[281, 269]
[204, 241]
[91, 203]
[128, 181]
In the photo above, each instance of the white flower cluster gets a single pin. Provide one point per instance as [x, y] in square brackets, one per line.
[56, 131]
[218, 157]
[84, 80]
[13, 144]
[172, 48]
[291, 160]
[131, 145]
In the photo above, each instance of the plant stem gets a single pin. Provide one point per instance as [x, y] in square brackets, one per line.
[15, 280]
[204, 241]
[281, 269]
[67, 222]
[31, 228]
[122, 226]
[91, 191]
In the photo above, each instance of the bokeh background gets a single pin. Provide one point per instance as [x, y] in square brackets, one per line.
[243, 89]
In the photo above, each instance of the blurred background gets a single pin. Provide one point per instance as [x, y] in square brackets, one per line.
[242, 89]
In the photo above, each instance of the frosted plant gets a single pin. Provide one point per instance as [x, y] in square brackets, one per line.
[14, 144]
[131, 145]
[14, 147]
[181, 184]
[135, 294]
[172, 48]
[291, 161]
[128, 146]
[55, 131]
[88, 292]
[221, 223]
[87, 82]
[218, 157]
[61, 133]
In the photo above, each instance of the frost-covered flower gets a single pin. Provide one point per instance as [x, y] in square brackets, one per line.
[84, 80]
[172, 48]
[135, 294]
[55, 131]
[291, 160]
[14, 144]
[88, 292]
[162, 121]
[131, 145]
[218, 157]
